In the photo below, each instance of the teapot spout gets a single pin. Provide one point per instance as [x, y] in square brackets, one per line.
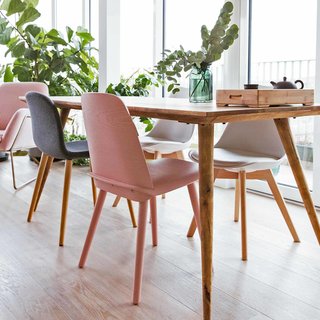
[273, 83]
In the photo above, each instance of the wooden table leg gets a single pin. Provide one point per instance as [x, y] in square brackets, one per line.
[206, 177]
[295, 164]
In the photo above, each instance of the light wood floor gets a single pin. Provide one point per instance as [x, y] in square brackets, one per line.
[40, 280]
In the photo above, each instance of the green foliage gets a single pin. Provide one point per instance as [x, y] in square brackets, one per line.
[138, 84]
[65, 65]
[214, 42]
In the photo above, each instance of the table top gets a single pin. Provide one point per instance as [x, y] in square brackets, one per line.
[202, 113]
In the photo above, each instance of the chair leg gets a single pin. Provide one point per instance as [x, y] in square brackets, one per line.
[281, 204]
[242, 177]
[42, 166]
[93, 225]
[93, 187]
[44, 179]
[192, 228]
[132, 216]
[130, 207]
[65, 200]
[143, 208]
[15, 186]
[193, 224]
[154, 220]
[196, 211]
[237, 201]
[116, 201]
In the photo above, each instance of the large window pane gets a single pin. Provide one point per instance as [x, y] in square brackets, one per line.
[136, 36]
[284, 44]
[69, 13]
[183, 25]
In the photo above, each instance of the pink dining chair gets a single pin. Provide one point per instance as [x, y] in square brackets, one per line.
[119, 167]
[15, 120]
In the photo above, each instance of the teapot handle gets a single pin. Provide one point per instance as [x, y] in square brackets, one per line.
[301, 82]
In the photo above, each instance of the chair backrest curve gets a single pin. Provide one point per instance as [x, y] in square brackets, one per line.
[113, 142]
[254, 136]
[9, 98]
[46, 125]
[173, 130]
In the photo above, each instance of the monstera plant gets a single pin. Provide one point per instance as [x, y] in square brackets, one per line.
[214, 42]
[64, 63]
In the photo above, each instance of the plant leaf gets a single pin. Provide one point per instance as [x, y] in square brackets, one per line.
[28, 15]
[8, 75]
[13, 6]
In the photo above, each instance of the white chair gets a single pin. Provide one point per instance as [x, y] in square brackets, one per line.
[248, 150]
[167, 139]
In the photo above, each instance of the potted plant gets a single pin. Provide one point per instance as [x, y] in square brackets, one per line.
[214, 42]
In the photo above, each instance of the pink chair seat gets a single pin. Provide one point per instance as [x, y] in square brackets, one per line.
[166, 174]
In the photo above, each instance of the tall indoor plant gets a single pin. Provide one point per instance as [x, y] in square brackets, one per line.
[64, 63]
[214, 42]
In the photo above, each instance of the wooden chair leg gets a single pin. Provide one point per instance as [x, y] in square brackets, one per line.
[143, 208]
[192, 228]
[65, 200]
[196, 209]
[242, 177]
[93, 225]
[154, 221]
[116, 201]
[281, 204]
[41, 170]
[133, 218]
[94, 189]
[193, 225]
[44, 179]
[237, 201]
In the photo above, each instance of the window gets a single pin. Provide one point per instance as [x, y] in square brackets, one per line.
[183, 25]
[136, 36]
[285, 45]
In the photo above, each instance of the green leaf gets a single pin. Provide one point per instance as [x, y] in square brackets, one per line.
[57, 65]
[54, 35]
[18, 50]
[5, 36]
[33, 30]
[31, 3]
[170, 87]
[30, 54]
[28, 15]
[8, 75]
[70, 33]
[13, 6]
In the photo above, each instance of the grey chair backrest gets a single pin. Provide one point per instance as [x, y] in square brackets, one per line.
[46, 125]
[254, 136]
[173, 130]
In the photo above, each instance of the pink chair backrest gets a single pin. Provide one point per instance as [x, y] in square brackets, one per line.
[9, 98]
[114, 147]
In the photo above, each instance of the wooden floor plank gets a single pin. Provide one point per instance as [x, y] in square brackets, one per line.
[39, 280]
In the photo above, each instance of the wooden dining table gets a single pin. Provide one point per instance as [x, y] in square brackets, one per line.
[205, 115]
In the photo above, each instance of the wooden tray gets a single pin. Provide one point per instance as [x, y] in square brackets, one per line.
[263, 98]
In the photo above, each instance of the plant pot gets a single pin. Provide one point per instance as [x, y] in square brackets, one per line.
[200, 84]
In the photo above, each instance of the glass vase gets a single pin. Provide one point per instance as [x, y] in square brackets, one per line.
[200, 85]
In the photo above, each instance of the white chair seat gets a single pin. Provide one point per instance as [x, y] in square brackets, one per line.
[164, 146]
[239, 160]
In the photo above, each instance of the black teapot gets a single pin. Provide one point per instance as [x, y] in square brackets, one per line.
[286, 84]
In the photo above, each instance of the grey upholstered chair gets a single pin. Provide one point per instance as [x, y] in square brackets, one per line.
[48, 137]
